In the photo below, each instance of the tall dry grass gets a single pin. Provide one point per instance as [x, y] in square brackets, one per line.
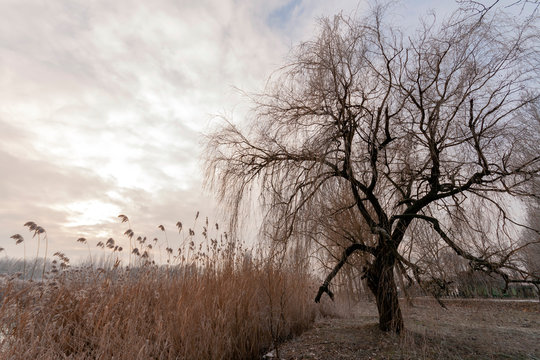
[235, 308]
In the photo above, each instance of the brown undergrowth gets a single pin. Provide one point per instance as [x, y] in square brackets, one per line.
[212, 299]
[236, 310]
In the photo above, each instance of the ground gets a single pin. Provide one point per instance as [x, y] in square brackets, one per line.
[469, 329]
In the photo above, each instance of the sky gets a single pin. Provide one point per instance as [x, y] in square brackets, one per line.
[103, 105]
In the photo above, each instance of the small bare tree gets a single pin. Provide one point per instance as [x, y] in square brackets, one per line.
[531, 235]
[411, 129]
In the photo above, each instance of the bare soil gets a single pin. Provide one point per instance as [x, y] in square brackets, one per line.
[468, 329]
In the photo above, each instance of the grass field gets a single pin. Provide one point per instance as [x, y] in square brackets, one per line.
[469, 329]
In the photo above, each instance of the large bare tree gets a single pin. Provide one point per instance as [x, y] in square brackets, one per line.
[401, 129]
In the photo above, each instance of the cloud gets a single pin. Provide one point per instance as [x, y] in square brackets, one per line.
[72, 202]
[103, 103]
[39, 191]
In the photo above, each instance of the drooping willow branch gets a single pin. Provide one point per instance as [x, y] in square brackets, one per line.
[481, 264]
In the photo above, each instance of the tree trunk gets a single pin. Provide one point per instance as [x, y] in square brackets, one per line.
[382, 285]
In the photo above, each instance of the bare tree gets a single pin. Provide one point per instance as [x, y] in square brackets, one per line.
[411, 129]
[525, 7]
[530, 236]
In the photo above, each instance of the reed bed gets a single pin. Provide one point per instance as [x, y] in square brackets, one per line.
[214, 300]
[238, 310]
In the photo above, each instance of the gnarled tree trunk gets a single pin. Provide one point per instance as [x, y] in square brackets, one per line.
[380, 278]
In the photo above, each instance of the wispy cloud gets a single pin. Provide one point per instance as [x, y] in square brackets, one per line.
[102, 104]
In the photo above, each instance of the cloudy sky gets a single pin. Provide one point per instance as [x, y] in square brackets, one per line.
[102, 105]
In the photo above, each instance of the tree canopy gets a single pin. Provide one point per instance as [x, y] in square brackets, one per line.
[393, 130]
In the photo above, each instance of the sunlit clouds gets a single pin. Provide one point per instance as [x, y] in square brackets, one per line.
[102, 105]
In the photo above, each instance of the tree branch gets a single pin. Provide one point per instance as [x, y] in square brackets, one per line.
[484, 265]
[351, 249]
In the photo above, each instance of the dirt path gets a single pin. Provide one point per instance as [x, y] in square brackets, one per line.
[467, 330]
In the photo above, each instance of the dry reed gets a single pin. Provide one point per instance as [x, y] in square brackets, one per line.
[233, 308]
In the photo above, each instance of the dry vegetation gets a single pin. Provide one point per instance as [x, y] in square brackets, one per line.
[213, 300]
[233, 312]
[216, 300]
[469, 329]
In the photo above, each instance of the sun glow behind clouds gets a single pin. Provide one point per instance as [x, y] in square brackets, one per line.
[91, 212]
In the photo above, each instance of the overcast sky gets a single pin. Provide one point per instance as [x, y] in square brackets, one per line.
[102, 105]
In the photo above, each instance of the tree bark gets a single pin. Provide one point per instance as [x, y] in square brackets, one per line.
[382, 285]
